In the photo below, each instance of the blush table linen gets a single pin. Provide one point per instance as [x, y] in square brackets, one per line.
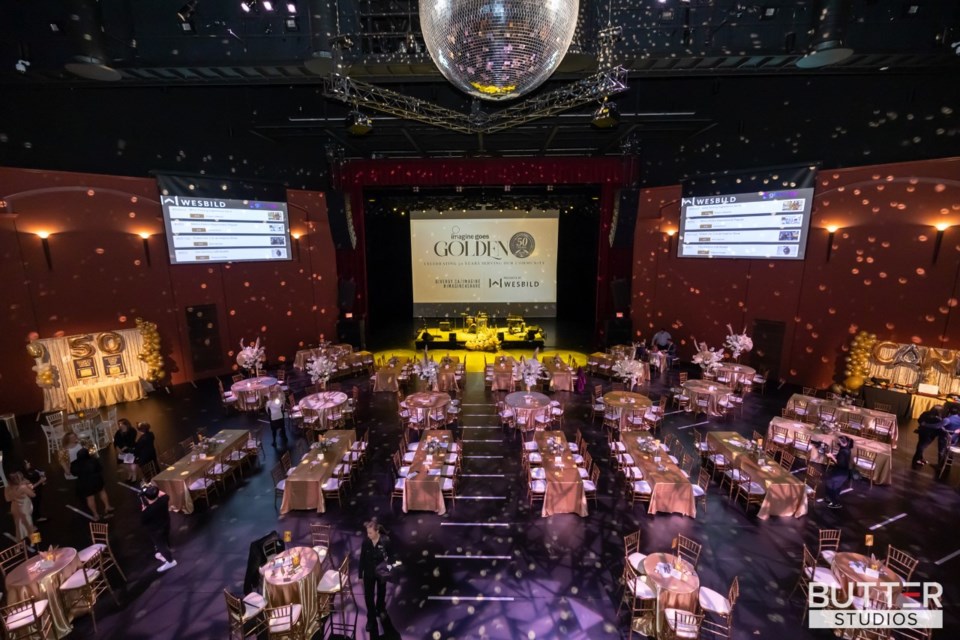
[283, 584]
[564, 485]
[424, 491]
[175, 480]
[302, 487]
[672, 491]
[31, 579]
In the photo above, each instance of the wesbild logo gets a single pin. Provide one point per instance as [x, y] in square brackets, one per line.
[513, 283]
[696, 202]
[833, 608]
[194, 202]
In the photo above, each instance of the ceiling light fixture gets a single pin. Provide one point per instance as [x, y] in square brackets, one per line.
[607, 116]
[267, 5]
[358, 124]
[291, 8]
[248, 5]
[185, 16]
[828, 45]
[291, 23]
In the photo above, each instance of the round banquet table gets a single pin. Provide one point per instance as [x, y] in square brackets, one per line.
[713, 391]
[627, 401]
[735, 373]
[425, 402]
[29, 579]
[322, 401]
[262, 386]
[527, 404]
[681, 592]
[282, 584]
[846, 574]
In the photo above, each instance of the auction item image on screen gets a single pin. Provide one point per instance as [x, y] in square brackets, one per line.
[771, 225]
[223, 230]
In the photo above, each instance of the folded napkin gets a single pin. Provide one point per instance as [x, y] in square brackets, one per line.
[433, 472]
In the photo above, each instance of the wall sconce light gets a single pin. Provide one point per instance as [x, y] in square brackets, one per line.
[296, 243]
[831, 232]
[45, 241]
[146, 246]
[940, 227]
[670, 233]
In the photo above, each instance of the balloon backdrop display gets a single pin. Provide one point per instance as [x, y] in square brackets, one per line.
[858, 360]
[150, 353]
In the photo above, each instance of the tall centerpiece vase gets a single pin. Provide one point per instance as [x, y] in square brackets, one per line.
[322, 384]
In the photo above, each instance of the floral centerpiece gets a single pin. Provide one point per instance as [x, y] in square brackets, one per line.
[629, 370]
[427, 369]
[708, 358]
[483, 340]
[321, 369]
[530, 371]
[738, 343]
[251, 357]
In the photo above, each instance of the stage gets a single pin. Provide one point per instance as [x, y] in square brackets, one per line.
[532, 338]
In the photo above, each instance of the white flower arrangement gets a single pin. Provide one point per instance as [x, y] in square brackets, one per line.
[427, 369]
[321, 369]
[738, 343]
[708, 358]
[629, 370]
[530, 371]
[251, 357]
[484, 340]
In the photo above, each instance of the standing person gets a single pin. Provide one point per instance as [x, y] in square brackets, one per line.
[89, 474]
[949, 430]
[155, 518]
[660, 338]
[125, 441]
[374, 552]
[19, 493]
[929, 429]
[144, 450]
[37, 478]
[277, 422]
[69, 447]
[839, 472]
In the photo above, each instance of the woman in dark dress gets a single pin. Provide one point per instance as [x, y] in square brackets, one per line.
[89, 474]
[374, 551]
[124, 441]
[144, 450]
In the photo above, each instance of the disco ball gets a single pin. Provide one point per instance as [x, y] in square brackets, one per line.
[498, 49]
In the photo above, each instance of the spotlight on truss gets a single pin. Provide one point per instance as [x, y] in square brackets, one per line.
[359, 124]
[607, 116]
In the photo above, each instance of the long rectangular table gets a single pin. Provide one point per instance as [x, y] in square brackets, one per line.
[175, 480]
[107, 392]
[671, 491]
[561, 374]
[843, 412]
[564, 485]
[302, 488]
[884, 461]
[786, 494]
[424, 491]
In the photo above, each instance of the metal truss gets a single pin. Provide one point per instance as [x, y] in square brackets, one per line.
[590, 89]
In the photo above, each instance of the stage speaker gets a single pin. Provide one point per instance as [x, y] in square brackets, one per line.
[628, 204]
[346, 294]
[444, 325]
[350, 331]
[500, 336]
[619, 331]
[620, 294]
[452, 337]
[338, 210]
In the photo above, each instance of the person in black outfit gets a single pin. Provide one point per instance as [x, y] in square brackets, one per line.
[155, 518]
[374, 551]
[930, 423]
[125, 442]
[89, 473]
[839, 472]
[144, 450]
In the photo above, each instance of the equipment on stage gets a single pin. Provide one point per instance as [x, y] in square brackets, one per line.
[445, 325]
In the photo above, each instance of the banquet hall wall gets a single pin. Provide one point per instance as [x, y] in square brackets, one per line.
[880, 276]
[100, 279]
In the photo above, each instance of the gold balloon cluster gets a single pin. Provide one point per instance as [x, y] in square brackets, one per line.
[151, 350]
[46, 375]
[858, 360]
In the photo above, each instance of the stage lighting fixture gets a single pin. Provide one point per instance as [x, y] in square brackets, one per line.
[267, 5]
[291, 23]
[248, 5]
[186, 11]
[607, 116]
[828, 41]
[768, 13]
[358, 124]
[291, 8]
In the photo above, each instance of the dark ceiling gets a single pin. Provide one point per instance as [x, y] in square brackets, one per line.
[713, 85]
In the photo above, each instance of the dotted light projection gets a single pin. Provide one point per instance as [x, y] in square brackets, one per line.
[498, 49]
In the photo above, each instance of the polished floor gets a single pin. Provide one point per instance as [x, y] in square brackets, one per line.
[491, 567]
